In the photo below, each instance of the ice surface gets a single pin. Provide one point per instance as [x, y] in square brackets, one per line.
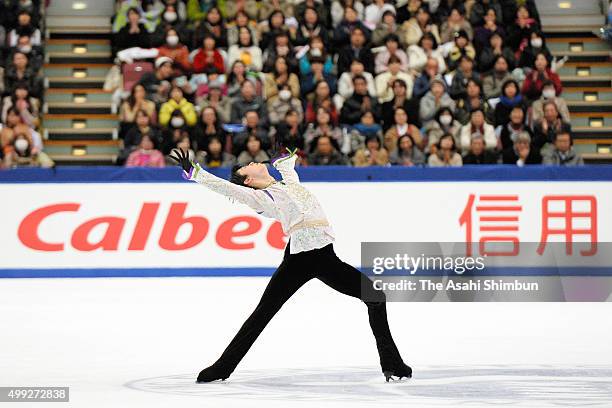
[141, 342]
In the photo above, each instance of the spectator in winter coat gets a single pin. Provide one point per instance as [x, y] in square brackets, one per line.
[177, 102]
[435, 99]
[325, 154]
[146, 155]
[521, 152]
[177, 52]
[208, 57]
[563, 153]
[477, 127]
[356, 50]
[445, 154]
[478, 154]
[248, 101]
[358, 103]
[549, 94]
[534, 83]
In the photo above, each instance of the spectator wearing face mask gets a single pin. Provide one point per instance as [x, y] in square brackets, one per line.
[316, 52]
[20, 151]
[537, 45]
[444, 123]
[549, 94]
[176, 51]
[278, 78]
[146, 155]
[284, 103]
[534, 83]
[177, 102]
[35, 53]
[435, 99]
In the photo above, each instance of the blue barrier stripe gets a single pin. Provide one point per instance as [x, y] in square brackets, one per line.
[496, 173]
[246, 272]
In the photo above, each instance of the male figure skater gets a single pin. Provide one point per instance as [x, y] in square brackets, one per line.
[309, 254]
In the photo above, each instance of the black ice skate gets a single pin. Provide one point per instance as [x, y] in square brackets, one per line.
[400, 372]
[211, 374]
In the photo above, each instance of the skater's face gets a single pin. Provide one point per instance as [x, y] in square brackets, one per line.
[255, 173]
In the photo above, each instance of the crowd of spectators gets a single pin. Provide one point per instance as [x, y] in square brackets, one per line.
[21, 84]
[359, 82]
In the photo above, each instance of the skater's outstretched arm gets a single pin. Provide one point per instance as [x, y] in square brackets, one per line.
[285, 165]
[194, 172]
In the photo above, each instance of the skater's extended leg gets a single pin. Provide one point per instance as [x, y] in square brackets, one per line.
[287, 279]
[350, 281]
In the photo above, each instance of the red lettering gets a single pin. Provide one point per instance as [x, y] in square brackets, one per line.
[143, 226]
[276, 236]
[110, 240]
[176, 218]
[28, 228]
[227, 232]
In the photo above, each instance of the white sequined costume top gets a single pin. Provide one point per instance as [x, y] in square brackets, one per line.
[287, 201]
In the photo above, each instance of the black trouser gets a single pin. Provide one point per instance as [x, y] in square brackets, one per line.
[295, 271]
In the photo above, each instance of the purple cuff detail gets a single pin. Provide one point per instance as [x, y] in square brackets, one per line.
[283, 156]
[188, 176]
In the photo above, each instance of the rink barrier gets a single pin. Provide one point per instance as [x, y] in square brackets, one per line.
[484, 173]
[329, 174]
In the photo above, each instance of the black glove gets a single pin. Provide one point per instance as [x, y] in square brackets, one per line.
[182, 159]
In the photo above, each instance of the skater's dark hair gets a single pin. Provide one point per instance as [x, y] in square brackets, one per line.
[237, 178]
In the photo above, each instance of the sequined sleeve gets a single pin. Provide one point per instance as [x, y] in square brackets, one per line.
[245, 195]
[286, 167]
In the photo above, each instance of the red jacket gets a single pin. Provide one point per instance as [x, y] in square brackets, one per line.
[200, 64]
[532, 87]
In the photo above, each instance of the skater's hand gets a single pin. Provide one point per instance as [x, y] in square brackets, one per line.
[181, 158]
